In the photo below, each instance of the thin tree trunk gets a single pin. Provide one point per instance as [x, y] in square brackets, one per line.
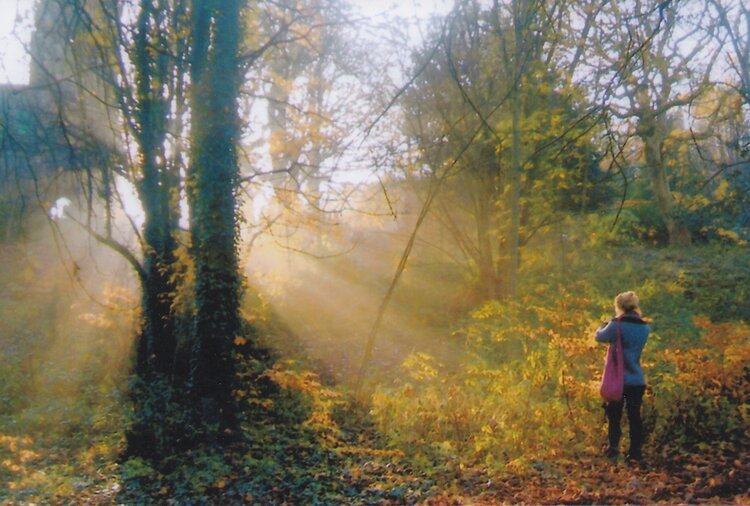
[488, 282]
[511, 280]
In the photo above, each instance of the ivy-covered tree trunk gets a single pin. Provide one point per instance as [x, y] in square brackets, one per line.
[216, 74]
[157, 189]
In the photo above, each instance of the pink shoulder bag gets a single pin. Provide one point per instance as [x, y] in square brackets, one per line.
[613, 379]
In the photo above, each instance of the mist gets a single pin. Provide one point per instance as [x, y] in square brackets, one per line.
[71, 303]
[326, 279]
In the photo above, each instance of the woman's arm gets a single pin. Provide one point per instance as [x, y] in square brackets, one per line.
[607, 332]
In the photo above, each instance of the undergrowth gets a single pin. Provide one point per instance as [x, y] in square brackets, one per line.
[518, 406]
[525, 396]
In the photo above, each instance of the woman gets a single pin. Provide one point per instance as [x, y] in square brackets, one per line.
[634, 333]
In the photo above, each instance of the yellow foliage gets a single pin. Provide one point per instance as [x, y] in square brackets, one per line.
[719, 364]
[323, 399]
[421, 366]
[722, 191]
[96, 320]
[372, 452]
[729, 234]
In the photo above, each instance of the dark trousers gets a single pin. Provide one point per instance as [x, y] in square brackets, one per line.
[632, 399]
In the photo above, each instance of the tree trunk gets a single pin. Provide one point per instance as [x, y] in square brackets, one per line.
[488, 278]
[653, 135]
[157, 342]
[511, 280]
[215, 130]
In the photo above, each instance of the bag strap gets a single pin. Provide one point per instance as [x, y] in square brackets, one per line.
[618, 338]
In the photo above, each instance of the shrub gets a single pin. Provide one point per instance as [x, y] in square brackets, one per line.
[525, 389]
[701, 395]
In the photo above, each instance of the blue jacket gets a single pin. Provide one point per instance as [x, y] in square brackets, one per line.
[634, 335]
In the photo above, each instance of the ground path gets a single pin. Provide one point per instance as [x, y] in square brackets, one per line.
[600, 482]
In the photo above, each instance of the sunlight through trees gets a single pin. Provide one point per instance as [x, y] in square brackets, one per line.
[310, 253]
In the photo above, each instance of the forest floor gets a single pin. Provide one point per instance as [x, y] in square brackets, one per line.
[74, 463]
[591, 479]
[598, 481]
[356, 469]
